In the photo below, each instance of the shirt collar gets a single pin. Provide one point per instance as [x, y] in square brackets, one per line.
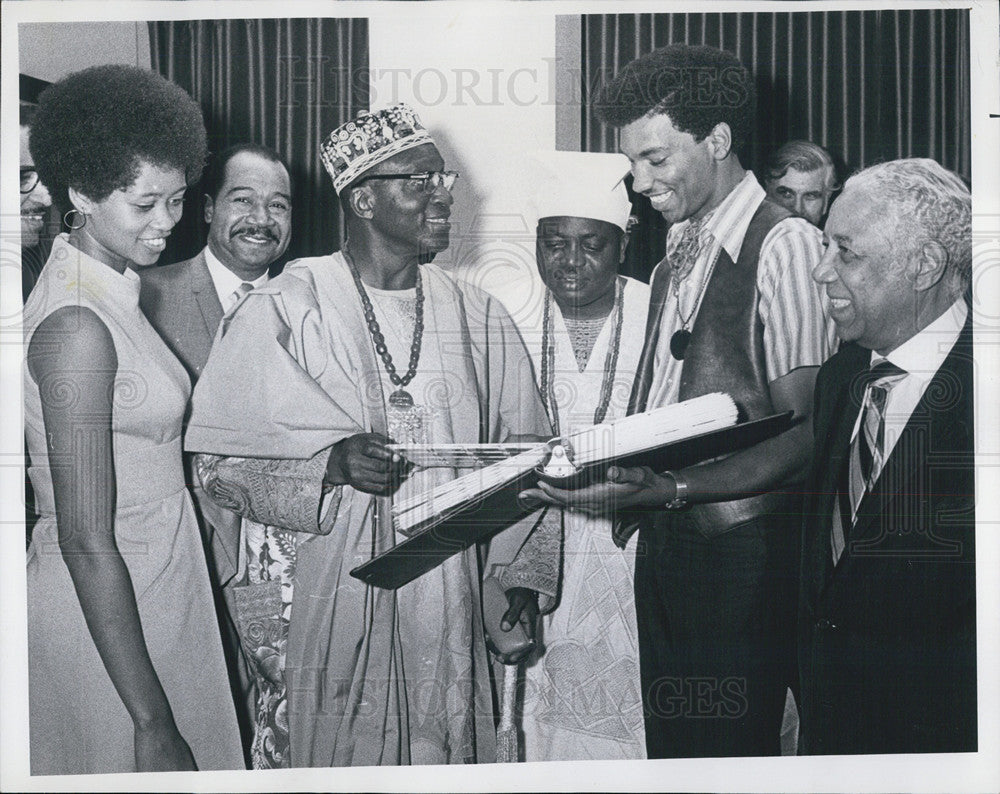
[727, 223]
[225, 280]
[926, 351]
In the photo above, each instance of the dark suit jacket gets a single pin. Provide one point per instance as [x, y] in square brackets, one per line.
[181, 303]
[887, 638]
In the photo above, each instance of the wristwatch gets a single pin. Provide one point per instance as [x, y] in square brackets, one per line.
[680, 491]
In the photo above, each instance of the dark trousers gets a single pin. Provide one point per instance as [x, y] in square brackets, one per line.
[241, 683]
[716, 620]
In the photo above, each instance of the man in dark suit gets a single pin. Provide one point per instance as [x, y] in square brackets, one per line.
[248, 208]
[887, 607]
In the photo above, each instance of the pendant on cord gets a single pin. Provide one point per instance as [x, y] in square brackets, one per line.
[407, 422]
[679, 343]
[401, 399]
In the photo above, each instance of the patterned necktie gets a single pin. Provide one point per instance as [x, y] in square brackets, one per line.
[867, 454]
[685, 252]
[237, 294]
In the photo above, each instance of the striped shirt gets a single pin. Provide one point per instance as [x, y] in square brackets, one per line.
[794, 309]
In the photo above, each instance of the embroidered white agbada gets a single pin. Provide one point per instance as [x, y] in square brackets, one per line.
[367, 676]
[581, 690]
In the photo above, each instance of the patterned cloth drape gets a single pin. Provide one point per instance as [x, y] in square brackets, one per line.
[283, 83]
[867, 85]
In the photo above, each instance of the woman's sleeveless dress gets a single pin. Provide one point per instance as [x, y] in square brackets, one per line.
[78, 722]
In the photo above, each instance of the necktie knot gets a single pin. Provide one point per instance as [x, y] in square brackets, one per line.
[238, 293]
[883, 372]
[882, 375]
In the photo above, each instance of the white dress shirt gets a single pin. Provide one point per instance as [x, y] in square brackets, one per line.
[921, 356]
[225, 281]
[794, 309]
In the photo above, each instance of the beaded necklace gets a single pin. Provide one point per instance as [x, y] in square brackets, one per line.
[400, 398]
[610, 361]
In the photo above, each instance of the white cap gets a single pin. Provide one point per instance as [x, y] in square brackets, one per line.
[580, 185]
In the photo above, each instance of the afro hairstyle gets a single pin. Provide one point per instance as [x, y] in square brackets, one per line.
[95, 128]
[697, 87]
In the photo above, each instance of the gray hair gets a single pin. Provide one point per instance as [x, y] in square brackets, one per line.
[804, 156]
[932, 203]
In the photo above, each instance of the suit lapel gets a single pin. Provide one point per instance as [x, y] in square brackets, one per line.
[832, 456]
[899, 479]
[203, 289]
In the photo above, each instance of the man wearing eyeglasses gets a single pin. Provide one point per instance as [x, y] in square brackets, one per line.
[35, 202]
[310, 379]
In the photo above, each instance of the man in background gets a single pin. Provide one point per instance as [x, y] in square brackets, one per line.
[887, 607]
[801, 177]
[248, 207]
[35, 203]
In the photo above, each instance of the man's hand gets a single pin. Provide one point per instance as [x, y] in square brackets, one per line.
[522, 608]
[635, 487]
[364, 462]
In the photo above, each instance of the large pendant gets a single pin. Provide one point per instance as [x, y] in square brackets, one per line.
[679, 343]
[401, 399]
[408, 423]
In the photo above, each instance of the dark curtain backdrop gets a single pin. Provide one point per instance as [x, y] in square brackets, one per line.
[867, 85]
[283, 83]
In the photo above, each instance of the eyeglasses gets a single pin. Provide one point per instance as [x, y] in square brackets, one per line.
[29, 179]
[426, 181]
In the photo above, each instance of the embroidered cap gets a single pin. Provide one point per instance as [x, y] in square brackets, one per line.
[371, 138]
[581, 185]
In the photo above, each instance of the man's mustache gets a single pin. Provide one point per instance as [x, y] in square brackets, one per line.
[258, 231]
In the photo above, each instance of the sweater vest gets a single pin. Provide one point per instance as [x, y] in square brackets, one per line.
[725, 354]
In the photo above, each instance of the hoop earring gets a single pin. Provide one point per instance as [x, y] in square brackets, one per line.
[70, 226]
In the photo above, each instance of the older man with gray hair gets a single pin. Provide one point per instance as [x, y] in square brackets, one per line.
[887, 604]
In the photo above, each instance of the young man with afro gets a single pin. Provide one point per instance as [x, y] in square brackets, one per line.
[732, 310]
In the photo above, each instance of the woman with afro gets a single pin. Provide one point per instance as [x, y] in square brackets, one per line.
[126, 671]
